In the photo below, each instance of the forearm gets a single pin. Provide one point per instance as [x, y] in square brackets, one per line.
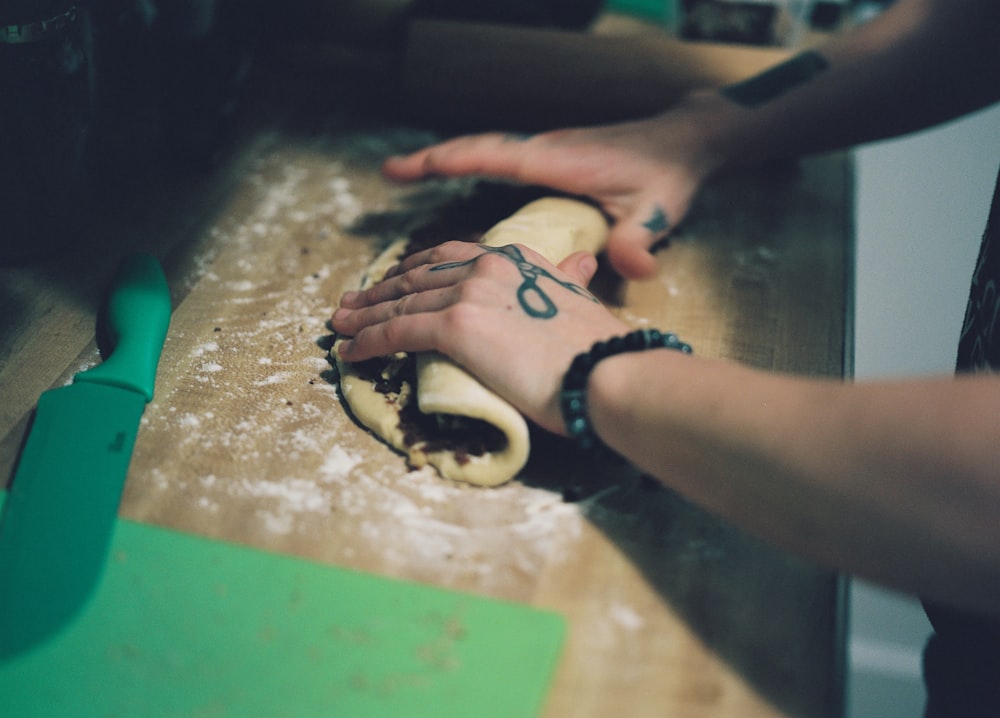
[895, 481]
[920, 63]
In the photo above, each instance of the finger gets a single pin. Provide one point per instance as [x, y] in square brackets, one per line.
[628, 252]
[401, 334]
[413, 274]
[447, 252]
[350, 320]
[405, 168]
[392, 288]
[493, 154]
[632, 237]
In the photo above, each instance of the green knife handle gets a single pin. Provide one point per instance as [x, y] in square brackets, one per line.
[138, 314]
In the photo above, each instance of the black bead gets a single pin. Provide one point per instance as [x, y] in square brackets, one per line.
[634, 341]
[582, 364]
[573, 396]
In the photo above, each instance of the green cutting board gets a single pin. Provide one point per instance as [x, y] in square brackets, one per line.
[189, 627]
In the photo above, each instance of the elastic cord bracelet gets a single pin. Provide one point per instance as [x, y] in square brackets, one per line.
[573, 396]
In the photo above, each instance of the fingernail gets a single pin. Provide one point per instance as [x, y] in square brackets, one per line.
[349, 296]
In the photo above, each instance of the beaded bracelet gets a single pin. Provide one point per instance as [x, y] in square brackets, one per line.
[573, 396]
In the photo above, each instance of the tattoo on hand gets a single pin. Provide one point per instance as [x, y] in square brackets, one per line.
[532, 298]
[659, 223]
[775, 82]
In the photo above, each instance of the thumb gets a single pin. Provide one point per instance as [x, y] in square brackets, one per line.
[646, 224]
[580, 267]
[628, 250]
[633, 235]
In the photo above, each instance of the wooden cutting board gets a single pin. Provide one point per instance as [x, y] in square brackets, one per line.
[669, 610]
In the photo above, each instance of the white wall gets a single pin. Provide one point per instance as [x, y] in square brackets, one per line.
[921, 206]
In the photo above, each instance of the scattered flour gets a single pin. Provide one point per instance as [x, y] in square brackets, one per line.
[205, 348]
[338, 464]
[626, 617]
[264, 345]
[278, 378]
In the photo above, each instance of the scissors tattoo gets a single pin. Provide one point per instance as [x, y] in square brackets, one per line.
[533, 299]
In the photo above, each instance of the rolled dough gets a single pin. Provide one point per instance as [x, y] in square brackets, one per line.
[555, 227]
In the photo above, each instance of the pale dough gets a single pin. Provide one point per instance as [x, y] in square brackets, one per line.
[553, 227]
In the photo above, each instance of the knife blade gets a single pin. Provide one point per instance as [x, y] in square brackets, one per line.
[62, 506]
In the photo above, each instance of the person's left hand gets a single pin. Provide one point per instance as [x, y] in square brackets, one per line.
[643, 174]
[505, 314]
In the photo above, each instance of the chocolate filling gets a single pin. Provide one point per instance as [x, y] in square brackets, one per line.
[463, 435]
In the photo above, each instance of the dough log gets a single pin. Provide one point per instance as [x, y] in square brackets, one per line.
[447, 396]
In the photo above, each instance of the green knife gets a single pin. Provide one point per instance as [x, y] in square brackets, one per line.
[62, 506]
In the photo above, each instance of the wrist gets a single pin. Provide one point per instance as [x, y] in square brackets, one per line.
[574, 395]
[715, 124]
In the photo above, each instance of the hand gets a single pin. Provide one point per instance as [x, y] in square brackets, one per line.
[481, 307]
[644, 174]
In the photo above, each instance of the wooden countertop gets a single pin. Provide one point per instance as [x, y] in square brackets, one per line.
[671, 611]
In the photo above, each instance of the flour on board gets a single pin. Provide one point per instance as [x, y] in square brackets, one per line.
[258, 442]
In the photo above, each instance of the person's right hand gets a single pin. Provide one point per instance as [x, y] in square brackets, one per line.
[476, 305]
[643, 174]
